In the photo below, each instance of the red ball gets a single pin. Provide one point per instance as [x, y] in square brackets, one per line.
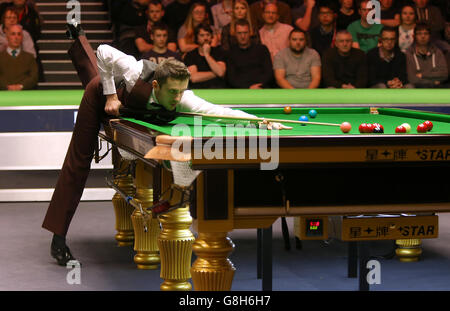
[400, 129]
[369, 128]
[421, 128]
[428, 125]
[346, 127]
[363, 128]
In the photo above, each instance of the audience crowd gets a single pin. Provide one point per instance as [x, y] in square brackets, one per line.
[261, 43]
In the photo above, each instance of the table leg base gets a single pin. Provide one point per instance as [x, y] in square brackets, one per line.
[212, 270]
[408, 250]
[145, 261]
[176, 285]
[124, 238]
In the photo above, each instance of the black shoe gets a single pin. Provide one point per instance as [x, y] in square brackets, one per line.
[60, 252]
[74, 32]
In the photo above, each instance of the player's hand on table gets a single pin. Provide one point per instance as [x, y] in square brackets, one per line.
[112, 105]
[273, 125]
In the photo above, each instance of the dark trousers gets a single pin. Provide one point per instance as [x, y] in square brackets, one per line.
[77, 163]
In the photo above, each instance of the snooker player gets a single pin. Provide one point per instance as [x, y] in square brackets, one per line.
[113, 79]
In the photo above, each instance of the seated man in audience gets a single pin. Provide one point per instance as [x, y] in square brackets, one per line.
[365, 35]
[206, 64]
[297, 66]
[248, 65]
[425, 63]
[344, 66]
[160, 51]
[9, 18]
[143, 41]
[257, 10]
[127, 15]
[18, 69]
[274, 34]
[387, 64]
[430, 15]
[324, 35]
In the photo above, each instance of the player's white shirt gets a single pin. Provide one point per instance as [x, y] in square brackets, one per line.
[115, 66]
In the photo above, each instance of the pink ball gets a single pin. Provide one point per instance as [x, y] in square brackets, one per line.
[346, 127]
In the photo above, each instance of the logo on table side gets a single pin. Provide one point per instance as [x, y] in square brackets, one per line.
[234, 141]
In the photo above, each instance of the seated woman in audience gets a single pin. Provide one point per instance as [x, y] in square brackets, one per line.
[10, 18]
[346, 14]
[240, 11]
[196, 16]
[406, 27]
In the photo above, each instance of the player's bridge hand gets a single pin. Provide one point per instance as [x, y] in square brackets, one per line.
[112, 105]
[273, 125]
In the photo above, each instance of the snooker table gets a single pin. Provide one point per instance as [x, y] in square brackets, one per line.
[325, 172]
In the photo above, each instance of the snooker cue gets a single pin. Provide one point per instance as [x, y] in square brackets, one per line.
[255, 119]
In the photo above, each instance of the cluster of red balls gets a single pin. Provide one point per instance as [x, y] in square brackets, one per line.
[421, 128]
[371, 128]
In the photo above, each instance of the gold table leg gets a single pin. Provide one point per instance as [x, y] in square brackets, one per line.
[408, 250]
[145, 244]
[212, 270]
[175, 245]
[123, 210]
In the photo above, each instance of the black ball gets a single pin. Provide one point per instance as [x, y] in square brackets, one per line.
[378, 129]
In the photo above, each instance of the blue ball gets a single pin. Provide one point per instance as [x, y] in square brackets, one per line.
[303, 118]
[312, 113]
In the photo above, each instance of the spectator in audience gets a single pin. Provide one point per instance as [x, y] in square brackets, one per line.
[206, 63]
[425, 63]
[406, 28]
[176, 13]
[196, 16]
[248, 64]
[306, 17]
[10, 18]
[344, 66]
[389, 14]
[297, 66]
[127, 15]
[28, 17]
[228, 36]
[387, 64]
[257, 11]
[346, 14]
[222, 13]
[143, 40]
[160, 51]
[431, 15]
[365, 35]
[18, 69]
[324, 35]
[273, 34]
